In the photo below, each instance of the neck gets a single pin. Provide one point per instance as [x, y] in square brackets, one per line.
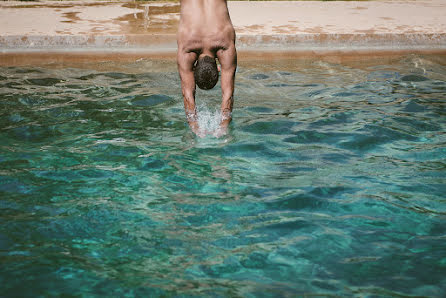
[206, 52]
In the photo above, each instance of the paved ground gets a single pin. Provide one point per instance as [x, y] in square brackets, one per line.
[292, 26]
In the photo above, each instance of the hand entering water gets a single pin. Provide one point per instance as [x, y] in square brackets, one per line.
[204, 122]
[197, 130]
[221, 131]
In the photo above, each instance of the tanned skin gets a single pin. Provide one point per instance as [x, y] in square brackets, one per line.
[206, 29]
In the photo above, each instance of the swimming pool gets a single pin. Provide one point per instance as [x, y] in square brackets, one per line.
[331, 181]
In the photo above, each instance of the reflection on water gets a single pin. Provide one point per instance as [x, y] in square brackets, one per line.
[330, 182]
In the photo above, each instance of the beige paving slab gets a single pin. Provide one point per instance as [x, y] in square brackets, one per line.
[269, 25]
[340, 17]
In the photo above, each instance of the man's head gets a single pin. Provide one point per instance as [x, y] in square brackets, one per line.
[206, 73]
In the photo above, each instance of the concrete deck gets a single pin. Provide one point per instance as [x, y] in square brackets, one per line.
[260, 26]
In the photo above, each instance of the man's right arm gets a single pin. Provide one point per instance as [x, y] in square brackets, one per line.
[185, 68]
[228, 61]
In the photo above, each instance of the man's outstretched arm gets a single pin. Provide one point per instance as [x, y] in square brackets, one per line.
[185, 68]
[228, 62]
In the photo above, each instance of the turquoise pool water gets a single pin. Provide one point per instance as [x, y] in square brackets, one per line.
[331, 181]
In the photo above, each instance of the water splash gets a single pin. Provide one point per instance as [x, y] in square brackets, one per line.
[208, 120]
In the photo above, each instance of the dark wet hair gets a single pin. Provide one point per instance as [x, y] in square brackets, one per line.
[206, 73]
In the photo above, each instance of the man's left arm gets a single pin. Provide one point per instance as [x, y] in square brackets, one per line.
[185, 62]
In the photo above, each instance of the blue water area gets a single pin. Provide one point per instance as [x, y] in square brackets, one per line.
[330, 181]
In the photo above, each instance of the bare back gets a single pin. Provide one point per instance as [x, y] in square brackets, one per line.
[205, 25]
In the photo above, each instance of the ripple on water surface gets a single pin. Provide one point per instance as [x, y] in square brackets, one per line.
[329, 182]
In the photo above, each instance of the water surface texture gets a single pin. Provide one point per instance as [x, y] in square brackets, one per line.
[331, 181]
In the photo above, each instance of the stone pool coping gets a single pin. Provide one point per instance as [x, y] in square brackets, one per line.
[291, 26]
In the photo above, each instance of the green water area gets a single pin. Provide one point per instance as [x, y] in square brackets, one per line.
[330, 181]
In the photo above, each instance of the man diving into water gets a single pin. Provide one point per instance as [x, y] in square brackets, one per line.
[205, 33]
